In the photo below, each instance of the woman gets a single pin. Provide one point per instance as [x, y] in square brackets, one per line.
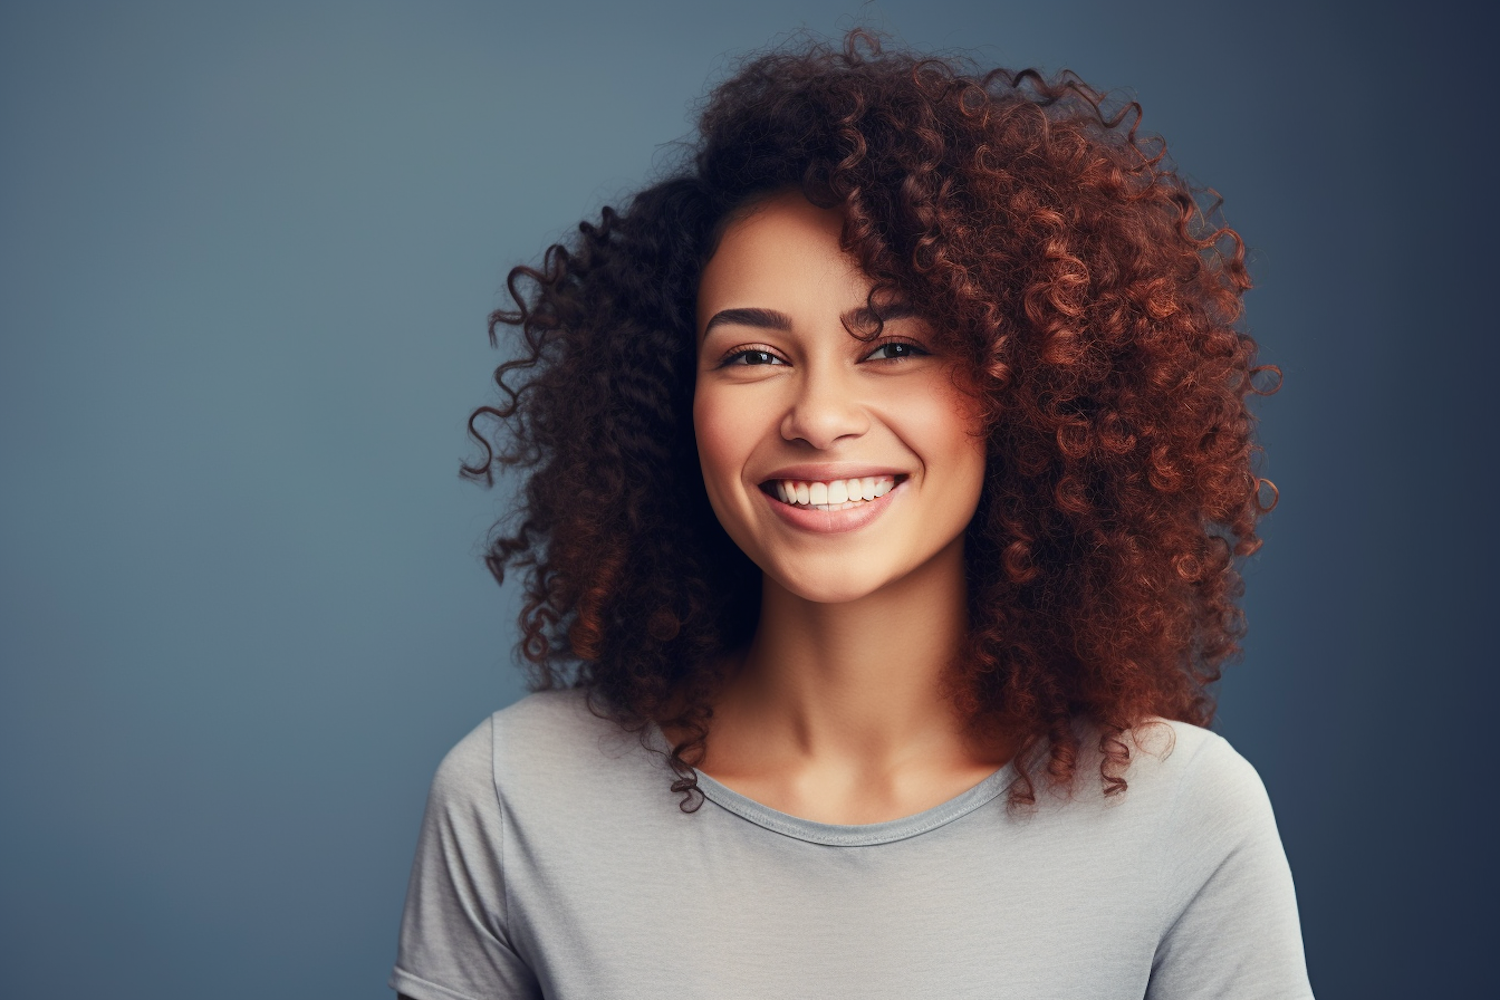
[887, 467]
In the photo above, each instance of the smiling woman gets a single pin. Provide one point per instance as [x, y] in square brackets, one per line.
[786, 397]
[886, 470]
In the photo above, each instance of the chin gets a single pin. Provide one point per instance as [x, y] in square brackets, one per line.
[825, 594]
[835, 585]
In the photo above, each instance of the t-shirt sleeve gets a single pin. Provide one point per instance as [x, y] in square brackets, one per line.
[454, 942]
[1232, 927]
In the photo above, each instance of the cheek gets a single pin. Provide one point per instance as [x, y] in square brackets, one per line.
[720, 443]
[946, 430]
[935, 413]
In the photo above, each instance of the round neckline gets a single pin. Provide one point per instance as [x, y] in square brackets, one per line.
[853, 834]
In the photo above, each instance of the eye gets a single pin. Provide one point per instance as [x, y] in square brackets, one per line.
[896, 350]
[752, 356]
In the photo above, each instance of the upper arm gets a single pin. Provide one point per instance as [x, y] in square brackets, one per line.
[455, 942]
[1233, 928]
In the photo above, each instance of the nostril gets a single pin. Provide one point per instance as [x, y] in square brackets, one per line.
[822, 429]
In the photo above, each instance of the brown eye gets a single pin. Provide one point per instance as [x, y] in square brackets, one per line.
[753, 357]
[895, 350]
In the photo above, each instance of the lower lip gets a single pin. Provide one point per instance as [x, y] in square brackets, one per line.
[830, 522]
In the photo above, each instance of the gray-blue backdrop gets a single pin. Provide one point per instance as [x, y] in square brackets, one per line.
[246, 252]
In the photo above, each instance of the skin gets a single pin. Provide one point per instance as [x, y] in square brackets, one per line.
[838, 710]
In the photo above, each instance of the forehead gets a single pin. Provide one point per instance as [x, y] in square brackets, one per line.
[782, 254]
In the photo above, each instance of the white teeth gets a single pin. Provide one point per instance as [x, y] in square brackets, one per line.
[837, 494]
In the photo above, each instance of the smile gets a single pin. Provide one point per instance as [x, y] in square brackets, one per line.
[836, 494]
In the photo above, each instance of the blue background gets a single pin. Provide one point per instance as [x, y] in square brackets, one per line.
[246, 253]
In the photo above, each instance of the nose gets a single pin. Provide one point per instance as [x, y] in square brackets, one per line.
[825, 410]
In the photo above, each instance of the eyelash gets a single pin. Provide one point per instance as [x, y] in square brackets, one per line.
[733, 358]
[915, 350]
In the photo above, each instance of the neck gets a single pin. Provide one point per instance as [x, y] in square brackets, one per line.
[860, 683]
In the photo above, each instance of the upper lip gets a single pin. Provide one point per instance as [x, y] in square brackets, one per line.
[827, 472]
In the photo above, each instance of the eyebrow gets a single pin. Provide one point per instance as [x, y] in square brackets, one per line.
[760, 319]
[770, 319]
[864, 316]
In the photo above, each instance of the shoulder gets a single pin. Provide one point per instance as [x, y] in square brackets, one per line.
[1200, 777]
[547, 717]
[1184, 783]
[1169, 763]
[558, 735]
[1204, 801]
[538, 724]
[549, 747]
[543, 727]
[1228, 909]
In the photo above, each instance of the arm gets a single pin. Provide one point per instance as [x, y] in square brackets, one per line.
[455, 944]
[1233, 931]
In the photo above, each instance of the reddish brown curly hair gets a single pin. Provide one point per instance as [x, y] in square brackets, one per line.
[1092, 301]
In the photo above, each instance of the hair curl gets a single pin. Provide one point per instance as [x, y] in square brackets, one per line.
[1087, 293]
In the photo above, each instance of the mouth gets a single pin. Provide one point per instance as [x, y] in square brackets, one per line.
[834, 494]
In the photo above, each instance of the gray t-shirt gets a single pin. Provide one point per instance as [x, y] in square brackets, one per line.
[554, 862]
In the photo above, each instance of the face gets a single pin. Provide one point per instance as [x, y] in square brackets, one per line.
[838, 465]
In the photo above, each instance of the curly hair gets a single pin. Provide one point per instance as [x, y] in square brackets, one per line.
[1083, 288]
